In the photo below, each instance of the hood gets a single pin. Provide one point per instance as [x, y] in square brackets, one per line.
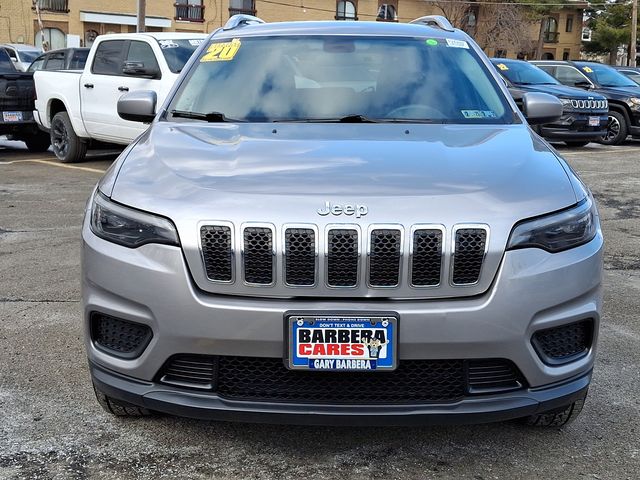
[620, 92]
[561, 91]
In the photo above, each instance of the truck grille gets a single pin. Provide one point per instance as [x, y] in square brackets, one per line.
[589, 104]
[268, 380]
[342, 257]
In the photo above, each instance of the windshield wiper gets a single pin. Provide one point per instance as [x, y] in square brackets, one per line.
[212, 117]
[346, 119]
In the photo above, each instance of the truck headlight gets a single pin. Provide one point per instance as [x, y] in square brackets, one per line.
[566, 103]
[128, 227]
[635, 101]
[557, 231]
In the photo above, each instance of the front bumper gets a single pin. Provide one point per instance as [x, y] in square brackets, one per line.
[151, 285]
[575, 126]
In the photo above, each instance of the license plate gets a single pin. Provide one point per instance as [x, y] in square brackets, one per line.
[12, 116]
[342, 342]
[594, 121]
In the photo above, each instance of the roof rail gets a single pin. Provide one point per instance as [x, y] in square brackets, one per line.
[240, 20]
[434, 21]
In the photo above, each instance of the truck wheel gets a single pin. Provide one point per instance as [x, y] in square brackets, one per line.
[557, 417]
[67, 146]
[576, 144]
[118, 407]
[40, 142]
[616, 129]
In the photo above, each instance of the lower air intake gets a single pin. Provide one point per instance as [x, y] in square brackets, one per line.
[565, 343]
[118, 337]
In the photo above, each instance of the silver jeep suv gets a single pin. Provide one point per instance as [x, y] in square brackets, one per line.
[344, 223]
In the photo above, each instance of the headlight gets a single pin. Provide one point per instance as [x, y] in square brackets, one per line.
[635, 100]
[128, 227]
[566, 102]
[558, 231]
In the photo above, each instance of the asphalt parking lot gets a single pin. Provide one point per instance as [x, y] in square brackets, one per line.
[52, 427]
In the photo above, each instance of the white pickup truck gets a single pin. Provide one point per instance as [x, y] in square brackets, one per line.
[80, 106]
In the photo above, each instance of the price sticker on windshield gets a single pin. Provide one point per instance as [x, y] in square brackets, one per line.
[587, 69]
[221, 52]
[502, 66]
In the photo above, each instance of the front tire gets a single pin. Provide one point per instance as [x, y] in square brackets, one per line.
[558, 417]
[67, 146]
[617, 129]
[39, 143]
[119, 408]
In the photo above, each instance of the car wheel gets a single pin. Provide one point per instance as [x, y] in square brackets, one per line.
[557, 417]
[616, 129]
[119, 408]
[576, 144]
[40, 142]
[67, 146]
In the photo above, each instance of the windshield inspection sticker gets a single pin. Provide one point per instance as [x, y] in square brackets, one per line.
[195, 42]
[457, 43]
[168, 44]
[502, 66]
[221, 52]
[431, 42]
[478, 114]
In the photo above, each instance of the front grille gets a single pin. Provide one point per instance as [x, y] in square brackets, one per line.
[343, 256]
[303, 255]
[258, 255]
[414, 381]
[118, 337]
[300, 256]
[565, 343]
[217, 252]
[589, 104]
[385, 256]
[469, 253]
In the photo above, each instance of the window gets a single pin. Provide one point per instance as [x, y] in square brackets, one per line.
[37, 64]
[569, 25]
[547, 56]
[141, 52]
[55, 61]
[178, 52]
[79, 59]
[242, 6]
[550, 32]
[500, 53]
[565, 55]
[12, 54]
[90, 37]
[53, 39]
[387, 13]
[346, 10]
[189, 10]
[108, 58]
[570, 76]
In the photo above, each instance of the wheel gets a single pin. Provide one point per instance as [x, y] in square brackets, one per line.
[557, 417]
[576, 144]
[67, 146]
[616, 129]
[40, 142]
[118, 407]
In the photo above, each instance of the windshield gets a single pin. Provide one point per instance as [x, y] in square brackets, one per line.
[523, 73]
[6, 66]
[316, 78]
[177, 52]
[28, 56]
[606, 76]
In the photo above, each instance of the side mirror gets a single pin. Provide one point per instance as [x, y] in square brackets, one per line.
[138, 106]
[583, 84]
[541, 108]
[138, 69]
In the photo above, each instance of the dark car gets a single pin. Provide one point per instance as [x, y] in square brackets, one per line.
[584, 115]
[632, 72]
[17, 94]
[62, 59]
[622, 93]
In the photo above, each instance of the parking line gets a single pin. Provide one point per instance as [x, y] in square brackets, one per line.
[601, 150]
[54, 164]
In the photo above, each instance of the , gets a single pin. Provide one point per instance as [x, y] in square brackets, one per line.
[227, 275]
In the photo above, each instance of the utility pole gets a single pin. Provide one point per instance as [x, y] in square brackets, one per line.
[634, 30]
[142, 6]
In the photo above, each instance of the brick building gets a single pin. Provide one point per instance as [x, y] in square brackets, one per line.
[80, 21]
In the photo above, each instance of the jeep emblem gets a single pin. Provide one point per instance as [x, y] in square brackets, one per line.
[347, 209]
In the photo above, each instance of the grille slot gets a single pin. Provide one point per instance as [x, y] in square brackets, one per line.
[565, 343]
[300, 256]
[217, 252]
[118, 337]
[487, 376]
[191, 371]
[426, 260]
[385, 256]
[342, 258]
[468, 257]
[258, 255]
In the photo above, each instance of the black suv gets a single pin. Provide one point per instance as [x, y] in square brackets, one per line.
[622, 93]
[584, 115]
